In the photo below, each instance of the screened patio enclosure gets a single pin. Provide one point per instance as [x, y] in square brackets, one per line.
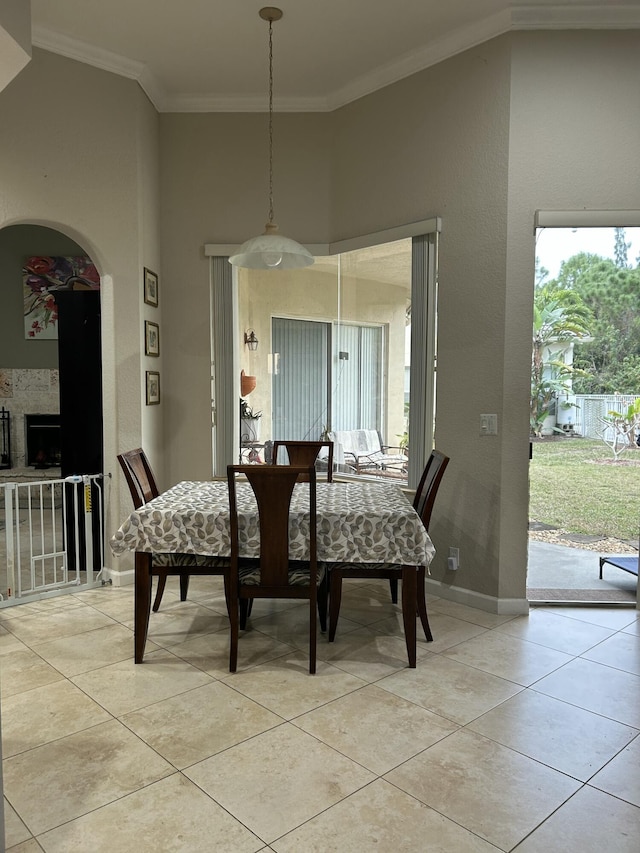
[347, 344]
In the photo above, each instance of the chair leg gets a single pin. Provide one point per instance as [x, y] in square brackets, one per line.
[409, 580]
[323, 596]
[227, 593]
[393, 584]
[184, 586]
[162, 582]
[233, 627]
[245, 610]
[422, 605]
[313, 634]
[335, 597]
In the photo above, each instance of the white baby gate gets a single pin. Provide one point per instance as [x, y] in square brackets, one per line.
[54, 537]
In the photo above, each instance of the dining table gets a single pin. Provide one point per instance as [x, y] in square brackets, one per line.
[358, 521]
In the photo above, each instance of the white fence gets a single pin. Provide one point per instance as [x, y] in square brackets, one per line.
[53, 537]
[590, 408]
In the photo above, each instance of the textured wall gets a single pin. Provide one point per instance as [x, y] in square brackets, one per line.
[74, 151]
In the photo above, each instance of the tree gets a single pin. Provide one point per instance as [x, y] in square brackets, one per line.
[559, 316]
[612, 294]
[621, 249]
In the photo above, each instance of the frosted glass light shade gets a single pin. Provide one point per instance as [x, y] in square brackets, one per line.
[271, 251]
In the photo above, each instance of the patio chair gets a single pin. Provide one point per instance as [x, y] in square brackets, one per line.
[362, 451]
[143, 487]
[626, 562]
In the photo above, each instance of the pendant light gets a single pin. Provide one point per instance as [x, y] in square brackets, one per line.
[271, 250]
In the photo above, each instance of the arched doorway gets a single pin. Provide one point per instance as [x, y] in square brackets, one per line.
[50, 347]
[51, 402]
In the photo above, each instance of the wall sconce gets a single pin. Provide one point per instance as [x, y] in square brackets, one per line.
[250, 340]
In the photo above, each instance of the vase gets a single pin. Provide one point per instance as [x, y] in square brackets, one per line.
[247, 383]
[249, 429]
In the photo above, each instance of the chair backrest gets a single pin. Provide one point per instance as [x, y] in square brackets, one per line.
[358, 442]
[273, 487]
[305, 453]
[428, 486]
[139, 476]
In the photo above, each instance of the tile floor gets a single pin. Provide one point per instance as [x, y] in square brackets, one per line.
[512, 733]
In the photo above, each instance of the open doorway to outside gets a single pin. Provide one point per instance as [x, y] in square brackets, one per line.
[585, 414]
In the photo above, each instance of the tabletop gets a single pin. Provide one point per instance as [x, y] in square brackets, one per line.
[358, 522]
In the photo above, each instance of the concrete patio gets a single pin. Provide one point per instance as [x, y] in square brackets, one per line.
[557, 567]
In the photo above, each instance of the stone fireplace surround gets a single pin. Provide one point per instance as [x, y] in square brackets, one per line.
[22, 392]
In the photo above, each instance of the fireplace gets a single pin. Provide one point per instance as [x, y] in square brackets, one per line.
[42, 440]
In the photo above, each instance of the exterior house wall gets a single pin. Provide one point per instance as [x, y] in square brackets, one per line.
[312, 294]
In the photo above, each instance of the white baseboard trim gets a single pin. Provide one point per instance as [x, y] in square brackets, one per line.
[119, 577]
[488, 603]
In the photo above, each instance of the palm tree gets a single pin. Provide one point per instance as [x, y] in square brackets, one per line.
[559, 317]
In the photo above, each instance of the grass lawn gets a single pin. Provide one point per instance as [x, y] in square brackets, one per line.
[576, 485]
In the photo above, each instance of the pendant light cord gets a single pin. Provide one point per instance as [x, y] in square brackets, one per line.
[270, 121]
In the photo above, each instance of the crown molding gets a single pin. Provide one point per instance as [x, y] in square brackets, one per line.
[87, 53]
[576, 16]
[105, 60]
[456, 42]
[525, 16]
[242, 104]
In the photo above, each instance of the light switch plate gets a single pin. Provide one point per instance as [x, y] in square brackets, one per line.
[488, 424]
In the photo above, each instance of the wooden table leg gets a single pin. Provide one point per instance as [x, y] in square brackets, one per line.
[409, 592]
[142, 606]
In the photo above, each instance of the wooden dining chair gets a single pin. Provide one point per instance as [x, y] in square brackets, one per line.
[423, 503]
[273, 574]
[304, 453]
[143, 487]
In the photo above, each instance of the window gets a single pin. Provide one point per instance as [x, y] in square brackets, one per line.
[347, 344]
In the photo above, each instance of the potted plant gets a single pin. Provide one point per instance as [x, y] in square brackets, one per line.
[249, 423]
[403, 444]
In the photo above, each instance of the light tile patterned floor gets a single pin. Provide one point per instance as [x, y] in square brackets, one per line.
[512, 733]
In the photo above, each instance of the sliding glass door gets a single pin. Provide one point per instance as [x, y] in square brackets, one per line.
[300, 378]
[325, 376]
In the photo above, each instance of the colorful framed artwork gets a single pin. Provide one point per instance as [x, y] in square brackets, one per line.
[150, 287]
[153, 387]
[42, 276]
[151, 338]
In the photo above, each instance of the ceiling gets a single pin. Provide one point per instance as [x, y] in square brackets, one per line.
[212, 55]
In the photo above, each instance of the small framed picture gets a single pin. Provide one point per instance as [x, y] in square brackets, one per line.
[151, 338]
[150, 287]
[153, 387]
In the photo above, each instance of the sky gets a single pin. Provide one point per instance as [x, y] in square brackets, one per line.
[554, 245]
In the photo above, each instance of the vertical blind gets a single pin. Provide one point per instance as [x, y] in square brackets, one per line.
[300, 378]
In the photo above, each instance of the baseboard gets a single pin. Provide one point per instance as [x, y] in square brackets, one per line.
[488, 603]
[118, 577]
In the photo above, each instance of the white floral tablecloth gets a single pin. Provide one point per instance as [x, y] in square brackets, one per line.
[361, 522]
